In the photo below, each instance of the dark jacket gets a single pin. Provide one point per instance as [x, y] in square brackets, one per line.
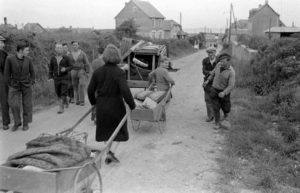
[19, 72]
[111, 87]
[207, 67]
[3, 56]
[55, 69]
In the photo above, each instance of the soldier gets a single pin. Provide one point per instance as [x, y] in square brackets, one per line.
[60, 66]
[208, 64]
[223, 77]
[20, 76]
[79, 73]
[3, 87]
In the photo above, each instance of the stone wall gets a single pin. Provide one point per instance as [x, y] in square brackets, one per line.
[241, 53]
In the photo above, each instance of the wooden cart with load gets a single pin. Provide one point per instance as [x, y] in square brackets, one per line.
[73, 179]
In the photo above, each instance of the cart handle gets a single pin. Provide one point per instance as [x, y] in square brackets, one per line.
[112, 137]
[68, 131]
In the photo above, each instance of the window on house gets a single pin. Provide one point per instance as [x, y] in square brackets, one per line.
[134, 9]
[153, 34]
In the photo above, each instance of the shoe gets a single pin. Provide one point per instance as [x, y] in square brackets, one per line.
[25, 127]
[5, 127]
[77, 103]
[224, 118]
[209, 119]
[71, 101]
[61, 107]
[220, 127]
[15, 127]
[111, 158]
[82, 104]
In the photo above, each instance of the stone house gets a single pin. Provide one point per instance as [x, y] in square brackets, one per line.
[150, 22]
[261, 19]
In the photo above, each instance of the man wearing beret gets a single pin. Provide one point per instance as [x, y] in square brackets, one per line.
[3, 87]
[223, 77]
[208, 64]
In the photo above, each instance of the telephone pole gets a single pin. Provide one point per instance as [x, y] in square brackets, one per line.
[229, 30]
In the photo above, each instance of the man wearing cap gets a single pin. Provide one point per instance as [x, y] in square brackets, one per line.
[223, 77]
[208, 64]
[3, 87]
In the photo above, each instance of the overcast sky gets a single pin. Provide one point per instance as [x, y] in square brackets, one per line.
[100, 13]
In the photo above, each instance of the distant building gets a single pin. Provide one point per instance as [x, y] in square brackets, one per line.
[262, 18]
[259, 20]
[279, 32]
[172, 29]
[150, 22]
[34, 27]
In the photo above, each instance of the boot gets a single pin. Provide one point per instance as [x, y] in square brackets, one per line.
[66, 102]
[61, 106]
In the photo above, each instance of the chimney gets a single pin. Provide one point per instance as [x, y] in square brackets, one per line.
[5, 21]
[293, 25]
[267, 1]
[259, 6]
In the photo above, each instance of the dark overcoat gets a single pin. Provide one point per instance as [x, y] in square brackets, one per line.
[108, 83]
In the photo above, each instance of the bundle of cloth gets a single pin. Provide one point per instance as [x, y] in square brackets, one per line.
[148, 98]
[50, 152]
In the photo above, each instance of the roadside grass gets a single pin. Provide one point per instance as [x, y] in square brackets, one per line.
[260, 152]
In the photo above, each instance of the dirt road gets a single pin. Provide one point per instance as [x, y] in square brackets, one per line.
[182, 159]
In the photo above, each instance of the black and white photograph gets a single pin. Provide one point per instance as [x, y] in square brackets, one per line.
[149, 96]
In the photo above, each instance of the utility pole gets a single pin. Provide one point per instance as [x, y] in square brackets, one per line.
[229, 31]
[180, 20]
[270, 28]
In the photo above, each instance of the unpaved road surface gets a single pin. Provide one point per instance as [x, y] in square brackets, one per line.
[180, 160]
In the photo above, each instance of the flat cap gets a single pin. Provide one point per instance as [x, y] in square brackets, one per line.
[2, 38]
[211, 49]
[224, 55]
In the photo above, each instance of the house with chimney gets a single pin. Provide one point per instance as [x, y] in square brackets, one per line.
[150, 22]
[263, 18]
[260, 19]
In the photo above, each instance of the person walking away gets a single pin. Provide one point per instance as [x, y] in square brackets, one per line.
[161, 76]
[20, 76]
[110, 85]
[208, 64]
[97, 63]
[70, 86]
[60, 66]
[79, 73]
[223, 77]
[3, 87]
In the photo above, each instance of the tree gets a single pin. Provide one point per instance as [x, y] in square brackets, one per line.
[127, 29]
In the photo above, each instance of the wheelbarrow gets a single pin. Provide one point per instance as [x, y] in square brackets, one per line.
[76, 179]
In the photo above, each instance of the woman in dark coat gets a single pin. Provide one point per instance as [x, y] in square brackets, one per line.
[108, 83]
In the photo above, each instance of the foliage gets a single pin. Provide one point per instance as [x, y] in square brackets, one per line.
[200, 37]
[127, 29]
[264, 138]
[253, 42]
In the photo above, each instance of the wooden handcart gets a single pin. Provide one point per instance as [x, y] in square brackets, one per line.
[77, 179]
[156, 115]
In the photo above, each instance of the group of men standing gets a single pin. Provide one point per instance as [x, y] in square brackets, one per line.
[69, 70]
[219, 80]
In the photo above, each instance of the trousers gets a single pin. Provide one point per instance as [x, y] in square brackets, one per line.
[219, 103]
[4, 104]
[79, 80]
[21, 97]
[208, 102]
